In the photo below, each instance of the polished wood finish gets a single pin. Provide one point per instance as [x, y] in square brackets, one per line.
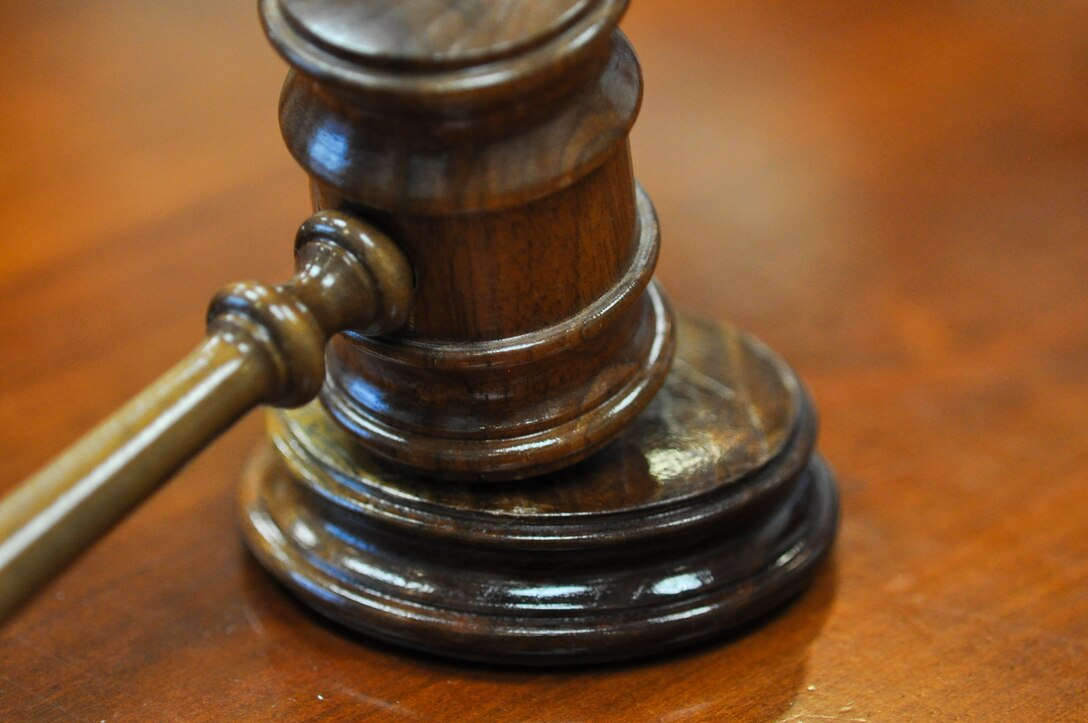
[414, 113]
[535, 346]
[526, 403]
[498, 159]
[265, 344]
[705, 513]
[892, 195]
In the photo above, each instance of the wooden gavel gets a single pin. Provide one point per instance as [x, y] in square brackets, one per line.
[516, 452]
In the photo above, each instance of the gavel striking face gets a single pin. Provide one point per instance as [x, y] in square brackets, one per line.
[516, 451]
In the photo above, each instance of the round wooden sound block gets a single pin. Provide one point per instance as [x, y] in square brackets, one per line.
[708, 511]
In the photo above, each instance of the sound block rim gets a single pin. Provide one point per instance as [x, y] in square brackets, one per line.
[549, 605]
[607, 636]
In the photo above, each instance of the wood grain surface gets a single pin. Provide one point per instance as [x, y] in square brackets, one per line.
[893, 195]
[533, 338]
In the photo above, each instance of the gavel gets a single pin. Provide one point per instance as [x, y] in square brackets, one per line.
[491, 436]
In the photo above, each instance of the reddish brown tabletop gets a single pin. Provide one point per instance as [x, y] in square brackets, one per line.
[893, 195]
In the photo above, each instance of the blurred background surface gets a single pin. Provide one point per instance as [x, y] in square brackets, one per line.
[893, 195]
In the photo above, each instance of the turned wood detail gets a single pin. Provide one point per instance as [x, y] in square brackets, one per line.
[350, 277]
[707, 511]
[443, 107]
[490, 140]
[265, 344]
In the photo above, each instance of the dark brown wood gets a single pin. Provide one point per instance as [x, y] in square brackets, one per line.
[416, 113]
[498, 159]
[892, 195]
[264, 344]
[523, 404]
[536, 342]
[705, 513]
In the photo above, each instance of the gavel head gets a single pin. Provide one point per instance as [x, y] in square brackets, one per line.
[489, 138]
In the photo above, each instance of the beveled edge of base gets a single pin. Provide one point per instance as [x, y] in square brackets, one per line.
[553, 605]
[606, 635]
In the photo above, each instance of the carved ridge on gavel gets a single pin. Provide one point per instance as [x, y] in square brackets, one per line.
[518, 452]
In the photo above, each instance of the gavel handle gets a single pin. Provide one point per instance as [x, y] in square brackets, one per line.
[61, 510]
[264, 344]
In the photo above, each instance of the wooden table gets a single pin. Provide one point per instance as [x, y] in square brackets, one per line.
[893, 195]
